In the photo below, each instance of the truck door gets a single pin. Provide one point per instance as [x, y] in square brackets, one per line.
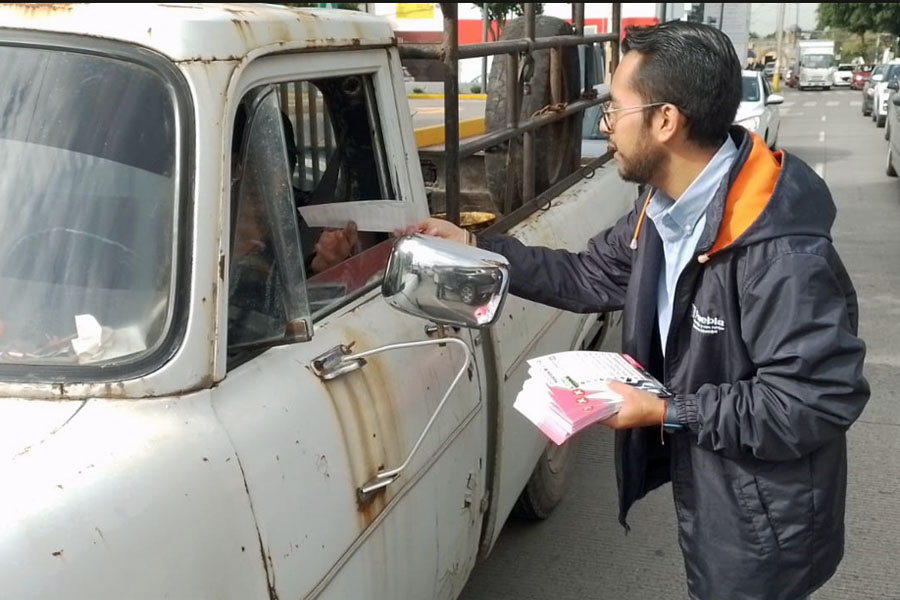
[308, 444]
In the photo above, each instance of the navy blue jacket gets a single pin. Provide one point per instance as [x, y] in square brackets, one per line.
[764, 361]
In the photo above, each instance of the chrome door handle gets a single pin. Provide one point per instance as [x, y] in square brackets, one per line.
[338, 363]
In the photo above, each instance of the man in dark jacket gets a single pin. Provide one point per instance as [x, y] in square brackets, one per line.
[735, 297]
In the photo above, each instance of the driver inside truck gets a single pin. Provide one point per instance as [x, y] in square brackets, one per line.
[329, 246]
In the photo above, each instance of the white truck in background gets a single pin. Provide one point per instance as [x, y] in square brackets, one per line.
[816, 64]
[189, 409]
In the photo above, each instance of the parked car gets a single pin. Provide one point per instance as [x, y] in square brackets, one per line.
[891, 117]
[860, 75]
[843, 75]
[893, 150]
[881, 93]
[759, 110]
[769, 69]
[594, 142]
[868, 89]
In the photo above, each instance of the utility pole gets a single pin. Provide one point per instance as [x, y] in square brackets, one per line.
[779, 30]
[485, 25]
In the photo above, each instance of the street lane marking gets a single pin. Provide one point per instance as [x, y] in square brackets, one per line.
[821, 136]
[820, 170]
[856, 103]
[823, 118]
[786, 104]
[811, 103]
[832, 103]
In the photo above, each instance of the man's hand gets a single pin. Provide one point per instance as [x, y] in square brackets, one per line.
[639, 408]
[334, 246]
[439, 228]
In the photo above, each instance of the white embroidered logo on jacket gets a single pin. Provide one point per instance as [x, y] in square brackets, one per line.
[706, 325]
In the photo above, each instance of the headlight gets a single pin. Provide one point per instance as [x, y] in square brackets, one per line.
[750, 124]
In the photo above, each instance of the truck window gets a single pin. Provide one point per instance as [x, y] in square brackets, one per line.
[315, 142]
[340, 158]
[818, 61]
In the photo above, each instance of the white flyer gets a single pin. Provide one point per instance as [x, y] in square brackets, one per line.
[369, 215]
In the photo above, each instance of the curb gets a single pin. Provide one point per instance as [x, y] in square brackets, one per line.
[441, 96]
[434, 135]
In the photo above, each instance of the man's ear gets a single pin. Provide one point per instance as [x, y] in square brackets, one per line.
[668, 123]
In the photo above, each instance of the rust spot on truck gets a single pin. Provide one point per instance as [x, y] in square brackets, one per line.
[39, 10]
[366, 412]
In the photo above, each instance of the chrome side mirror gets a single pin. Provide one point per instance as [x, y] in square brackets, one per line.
[446, 282]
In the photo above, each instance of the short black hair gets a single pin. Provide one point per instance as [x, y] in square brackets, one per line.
[693, 66]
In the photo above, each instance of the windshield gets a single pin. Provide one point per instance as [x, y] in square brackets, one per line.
[87, 203]
[750, 91]
[845, 67]
[817, 61]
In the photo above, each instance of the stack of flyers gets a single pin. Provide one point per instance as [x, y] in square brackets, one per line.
[567, 391]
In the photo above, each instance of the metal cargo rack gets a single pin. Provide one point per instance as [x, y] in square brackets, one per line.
[449, 52]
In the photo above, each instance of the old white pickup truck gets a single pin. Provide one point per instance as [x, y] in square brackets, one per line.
[189, 408]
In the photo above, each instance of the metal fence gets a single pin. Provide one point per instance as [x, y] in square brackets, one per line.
[516, 50]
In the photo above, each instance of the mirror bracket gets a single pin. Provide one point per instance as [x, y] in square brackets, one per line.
[336, 362]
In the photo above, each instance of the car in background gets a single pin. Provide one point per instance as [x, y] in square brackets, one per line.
[868, 90]
[893, 87]
[893, 150]
[769, 69]
[759, 110]
[861, 74]
[843, 75]
[594, 142]
[881, 93]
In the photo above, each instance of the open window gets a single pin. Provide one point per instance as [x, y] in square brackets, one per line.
[337, 156]
[298, 144]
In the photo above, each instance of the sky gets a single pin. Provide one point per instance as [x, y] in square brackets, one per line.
[764, 16]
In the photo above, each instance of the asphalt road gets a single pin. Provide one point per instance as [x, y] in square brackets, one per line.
[581, 552]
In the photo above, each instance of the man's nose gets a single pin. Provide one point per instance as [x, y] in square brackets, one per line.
[602, 126]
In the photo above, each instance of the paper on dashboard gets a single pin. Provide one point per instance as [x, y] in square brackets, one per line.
[369, 215]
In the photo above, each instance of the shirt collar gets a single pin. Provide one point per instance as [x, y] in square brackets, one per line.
[677, 219]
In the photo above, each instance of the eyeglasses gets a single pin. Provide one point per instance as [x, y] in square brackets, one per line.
[609, 123]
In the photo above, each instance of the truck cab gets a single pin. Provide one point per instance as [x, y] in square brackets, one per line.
[816, 64]
[189, 408]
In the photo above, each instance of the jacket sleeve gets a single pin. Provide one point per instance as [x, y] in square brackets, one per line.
[593, 280]
[798, 322]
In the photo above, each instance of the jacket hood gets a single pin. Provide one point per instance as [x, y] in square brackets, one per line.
[770, 194]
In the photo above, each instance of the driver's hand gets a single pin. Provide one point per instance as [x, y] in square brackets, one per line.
[335, 246]
[438, 228]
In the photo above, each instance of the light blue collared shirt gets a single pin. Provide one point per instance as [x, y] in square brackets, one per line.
[680, 224]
